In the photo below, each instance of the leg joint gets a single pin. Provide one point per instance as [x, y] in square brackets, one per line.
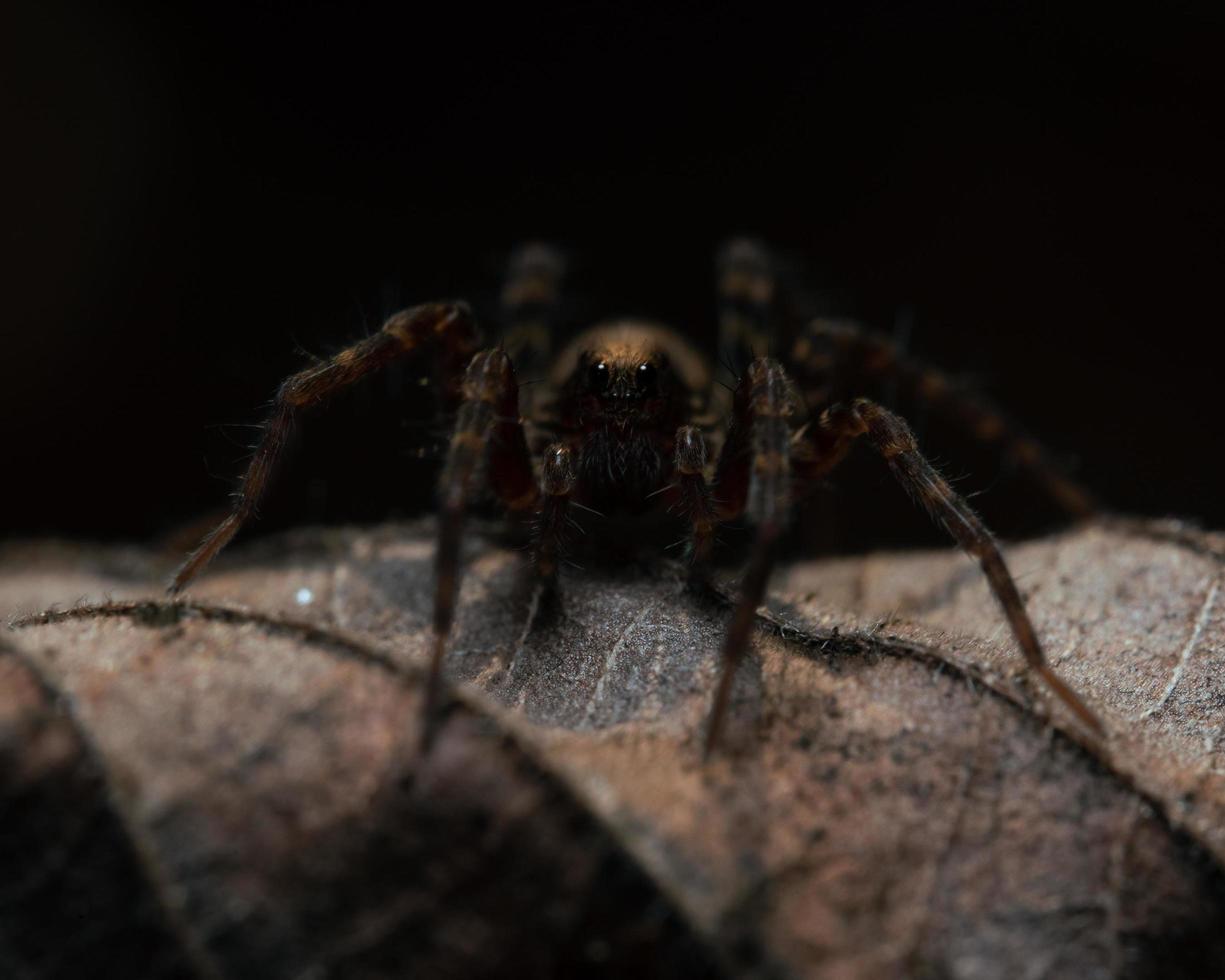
[690, 451]
[558, 474]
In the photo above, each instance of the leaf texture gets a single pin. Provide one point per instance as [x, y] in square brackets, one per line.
[232, 786]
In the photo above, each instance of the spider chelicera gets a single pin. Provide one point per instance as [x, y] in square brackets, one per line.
[629, 422]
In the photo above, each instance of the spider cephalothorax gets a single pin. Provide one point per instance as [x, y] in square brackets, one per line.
[623, 427]
[623, 391]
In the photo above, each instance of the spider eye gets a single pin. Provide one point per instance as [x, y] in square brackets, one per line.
[645, 377]
[597, 377]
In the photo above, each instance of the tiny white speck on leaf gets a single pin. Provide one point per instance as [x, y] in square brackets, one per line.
[304, 597]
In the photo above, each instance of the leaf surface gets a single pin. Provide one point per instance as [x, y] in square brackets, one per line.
[233, 786]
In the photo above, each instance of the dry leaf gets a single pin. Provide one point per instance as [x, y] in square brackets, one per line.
[231, 786]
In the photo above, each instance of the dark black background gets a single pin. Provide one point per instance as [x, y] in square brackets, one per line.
[197, 191]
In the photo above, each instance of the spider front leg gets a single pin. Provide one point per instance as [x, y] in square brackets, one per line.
[891, 437]
[753, 479]
[488, 432]
[558, 477]
[691, 493]
[446, 329]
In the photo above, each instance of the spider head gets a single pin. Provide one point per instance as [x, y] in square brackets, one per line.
[625, 384]
[628, 375]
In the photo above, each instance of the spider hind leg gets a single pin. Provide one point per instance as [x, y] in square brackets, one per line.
[837, 358]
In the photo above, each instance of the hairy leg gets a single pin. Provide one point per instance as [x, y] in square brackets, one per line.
[558, 476]
[891, 437]
[692, 495]
[444, 329]
[488, 433]
[753, 479]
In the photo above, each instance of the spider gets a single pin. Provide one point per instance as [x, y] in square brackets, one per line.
[629, 424]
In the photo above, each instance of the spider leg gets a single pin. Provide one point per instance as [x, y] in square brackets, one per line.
[745, 286]
[892, 438]
[753, 478]
[531, 302]
[558, 477]
[446, 328]
[488, 431]
[832, 352]
[692, 494]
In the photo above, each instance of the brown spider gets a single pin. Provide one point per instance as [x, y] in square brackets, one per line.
[624, 428]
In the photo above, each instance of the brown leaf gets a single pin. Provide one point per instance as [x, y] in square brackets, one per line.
[231, 786]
